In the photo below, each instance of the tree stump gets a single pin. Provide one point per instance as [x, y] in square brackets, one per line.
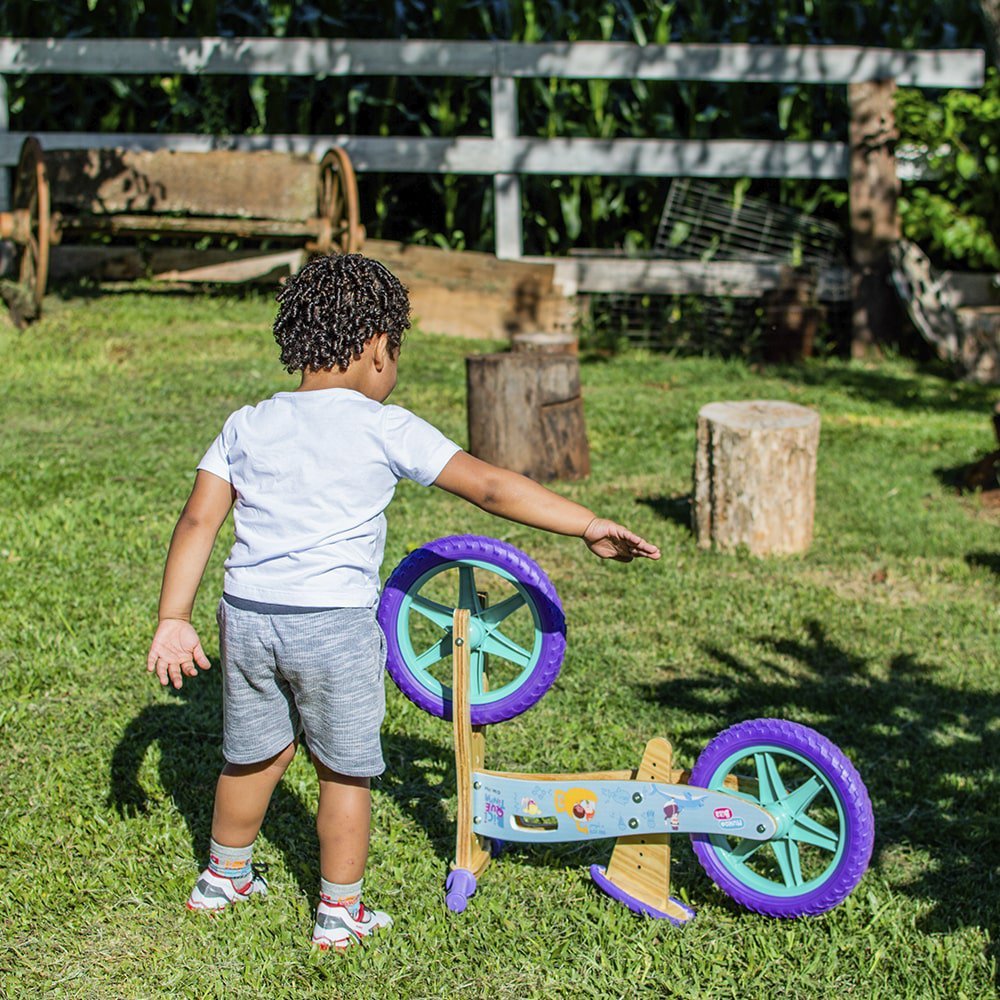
[755, 476]
[526, 414]
[544, 343]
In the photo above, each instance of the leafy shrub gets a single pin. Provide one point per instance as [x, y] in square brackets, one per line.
[955, 215]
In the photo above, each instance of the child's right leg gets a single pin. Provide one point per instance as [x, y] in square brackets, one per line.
[241, 799]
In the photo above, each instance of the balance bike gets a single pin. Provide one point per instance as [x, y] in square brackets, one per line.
[778, 817]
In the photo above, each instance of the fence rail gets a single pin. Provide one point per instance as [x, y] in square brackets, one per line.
[737, 63]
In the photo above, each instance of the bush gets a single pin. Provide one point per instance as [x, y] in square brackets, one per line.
[955, 215]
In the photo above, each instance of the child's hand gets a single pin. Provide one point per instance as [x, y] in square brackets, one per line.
[175, 650]
[614, 541]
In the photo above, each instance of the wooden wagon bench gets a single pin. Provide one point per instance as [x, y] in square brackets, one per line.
[264, 198]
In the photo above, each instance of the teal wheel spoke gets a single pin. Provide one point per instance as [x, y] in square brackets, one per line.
[477, 664]
[439, 614]
[496, 614]
[797, 802]
[500, 645]
[433, 654]
[787, 854]
[746, 849]
[768, 780]
[807, 831]
[468, 596]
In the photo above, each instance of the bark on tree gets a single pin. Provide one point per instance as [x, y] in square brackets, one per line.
[989, 11]
[755, 476]
[874, 190]
[526, 414]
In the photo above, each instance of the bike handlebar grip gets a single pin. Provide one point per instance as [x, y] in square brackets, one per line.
[458, 887]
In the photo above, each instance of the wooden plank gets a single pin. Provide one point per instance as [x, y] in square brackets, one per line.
[473, 294]
[258, 268]
[128, 263]
[232, 183]
[470, 749]
[734, 279]
[737, 63]
[640, 865]
[484, 155]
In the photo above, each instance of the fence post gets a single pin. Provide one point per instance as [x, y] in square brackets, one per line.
[506, 187]
[4, 127]
[874, 190]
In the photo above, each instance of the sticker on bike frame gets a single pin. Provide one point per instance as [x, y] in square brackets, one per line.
[536, 809]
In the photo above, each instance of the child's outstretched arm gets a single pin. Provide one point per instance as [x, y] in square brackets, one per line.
[517, 498]
[176, 647]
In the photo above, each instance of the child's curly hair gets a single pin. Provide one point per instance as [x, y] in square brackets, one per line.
[330, 309]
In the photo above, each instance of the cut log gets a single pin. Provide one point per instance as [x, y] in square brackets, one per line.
[755, 476]
[545, 343]
[526, 414]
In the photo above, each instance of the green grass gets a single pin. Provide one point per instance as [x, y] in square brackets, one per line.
[884, 636]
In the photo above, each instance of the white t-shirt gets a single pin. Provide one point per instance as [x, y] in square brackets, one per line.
[313, 472]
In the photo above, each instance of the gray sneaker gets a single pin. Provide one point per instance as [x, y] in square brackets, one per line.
[216, 892]
[337, 928]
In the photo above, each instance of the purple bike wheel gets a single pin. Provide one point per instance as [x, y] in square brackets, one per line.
[825, 824]
[517, 631]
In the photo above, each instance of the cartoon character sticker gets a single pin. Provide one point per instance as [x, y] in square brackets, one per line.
[672, 814]
[677, 804]
[580, 804]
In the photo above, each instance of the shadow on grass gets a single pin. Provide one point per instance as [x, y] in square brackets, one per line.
[926, 751]
[675, 508]
[988, 560]
[188, 732]
[882, 386]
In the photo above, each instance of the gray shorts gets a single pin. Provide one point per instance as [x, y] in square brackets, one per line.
[321, 674]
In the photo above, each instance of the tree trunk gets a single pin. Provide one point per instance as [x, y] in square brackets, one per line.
[755, 476]
[874, 190]
[989, 11]
[526, 414]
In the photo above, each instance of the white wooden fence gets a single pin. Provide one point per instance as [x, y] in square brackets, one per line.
[505, 154]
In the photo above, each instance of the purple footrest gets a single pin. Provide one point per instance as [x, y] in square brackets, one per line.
[598, 874]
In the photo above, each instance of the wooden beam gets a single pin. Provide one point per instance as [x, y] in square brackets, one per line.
[337, 57]
[506, 186]
[732, 279]
[587, 157]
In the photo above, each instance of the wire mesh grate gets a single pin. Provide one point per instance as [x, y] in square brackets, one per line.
[702, 221]
[705, 222]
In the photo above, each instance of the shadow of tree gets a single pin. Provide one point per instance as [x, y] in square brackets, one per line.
[926, 751]
[188, 732]
[882, 385]
[990, 560]
[676, 508]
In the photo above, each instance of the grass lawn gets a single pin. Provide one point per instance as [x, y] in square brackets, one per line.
[884, 637]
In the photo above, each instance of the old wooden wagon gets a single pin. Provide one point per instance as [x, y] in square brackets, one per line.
[266, 199]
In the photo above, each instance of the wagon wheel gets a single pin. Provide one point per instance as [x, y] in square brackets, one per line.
[338, 201]
[32, 220]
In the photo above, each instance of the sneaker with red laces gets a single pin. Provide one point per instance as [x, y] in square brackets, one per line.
[340, 928]
[216, 892]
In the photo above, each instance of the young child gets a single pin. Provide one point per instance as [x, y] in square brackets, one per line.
[311, 472]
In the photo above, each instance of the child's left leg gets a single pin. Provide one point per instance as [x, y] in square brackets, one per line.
[343, 824]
